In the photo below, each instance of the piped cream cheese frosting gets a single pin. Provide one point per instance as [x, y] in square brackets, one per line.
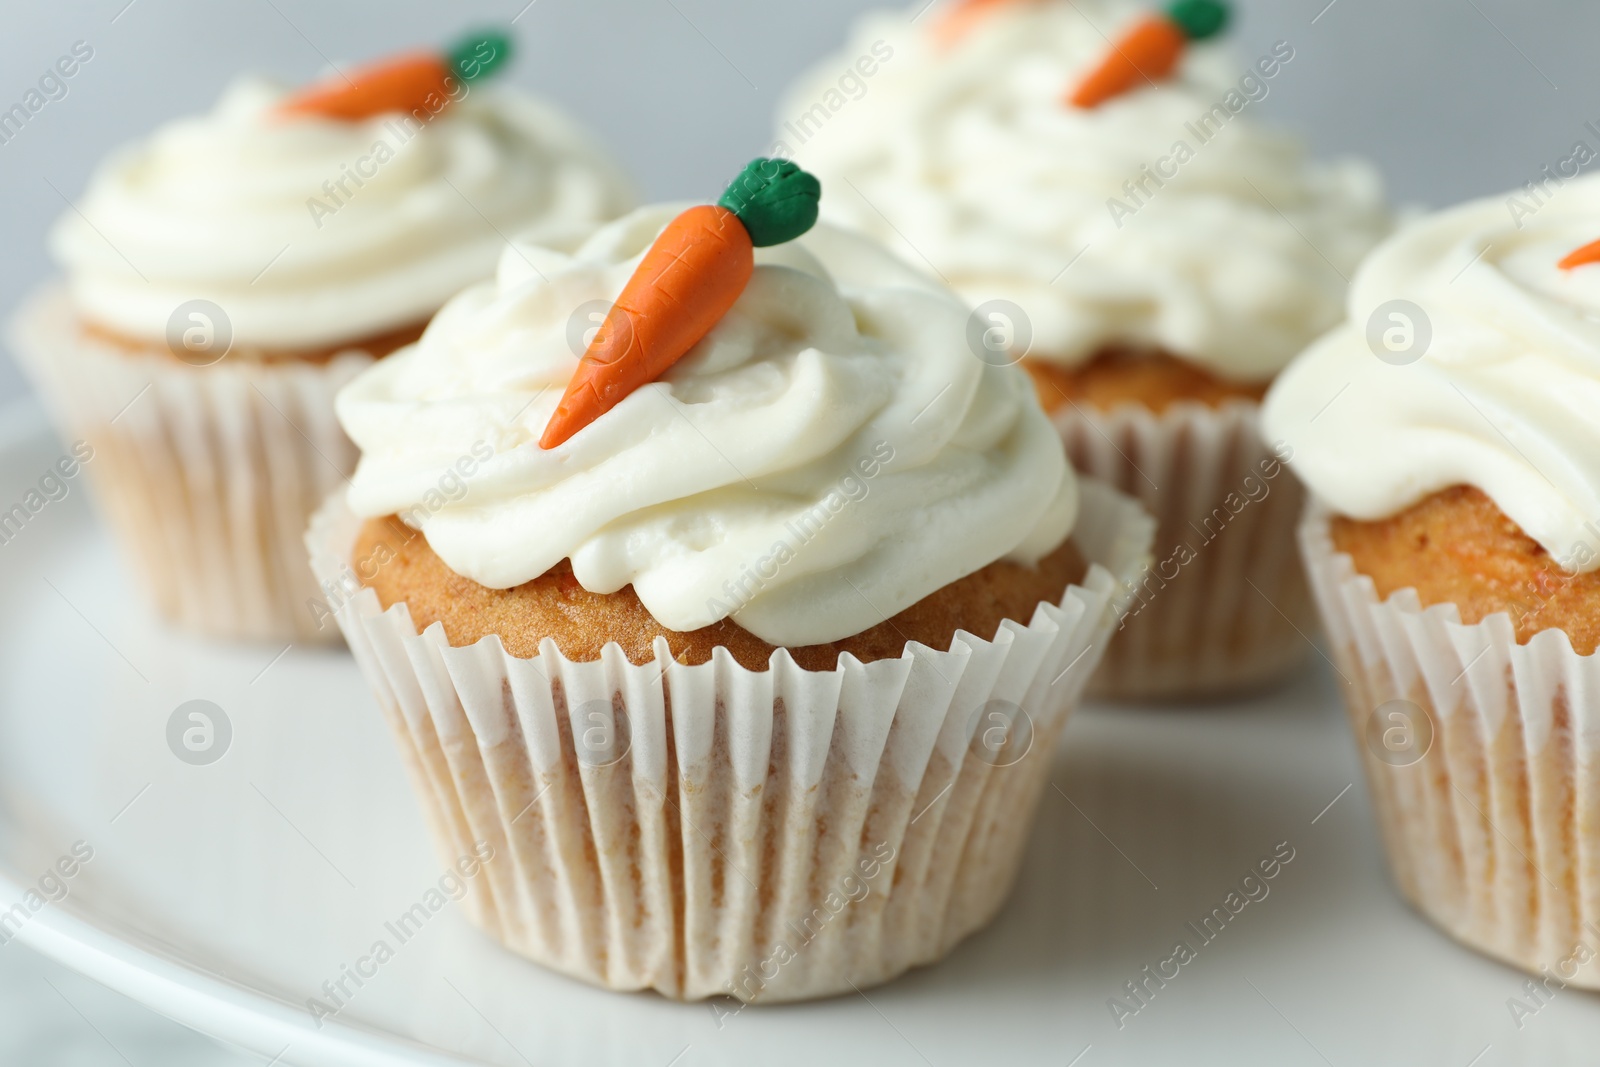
[1469, 358]
[1165, 217]
[829, 454]
[307, 231]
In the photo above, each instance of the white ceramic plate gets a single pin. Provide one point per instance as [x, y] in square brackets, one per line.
[224, 895]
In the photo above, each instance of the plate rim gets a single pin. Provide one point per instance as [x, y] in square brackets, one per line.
[184, 992]
[203, 1001]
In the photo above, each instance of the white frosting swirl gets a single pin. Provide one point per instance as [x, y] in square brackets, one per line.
[967, 159]
[309, 232]
[829, 454]
[1505, 395]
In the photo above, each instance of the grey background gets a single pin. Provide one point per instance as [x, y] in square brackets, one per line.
[1452, 98]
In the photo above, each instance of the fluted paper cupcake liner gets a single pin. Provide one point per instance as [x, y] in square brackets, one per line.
[1224, 604]
[1483, 758]
[710, 830]
[206, 476]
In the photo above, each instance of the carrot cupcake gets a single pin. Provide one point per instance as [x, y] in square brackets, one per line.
[1447, 433]
[720, 646]
[1102, 193]
[228, 274]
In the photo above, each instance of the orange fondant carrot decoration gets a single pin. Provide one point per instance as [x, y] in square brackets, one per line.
[689, 278]
[403, 83]
[687, 281]
[1150, 50]
[1589, 253]
[956, 21]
